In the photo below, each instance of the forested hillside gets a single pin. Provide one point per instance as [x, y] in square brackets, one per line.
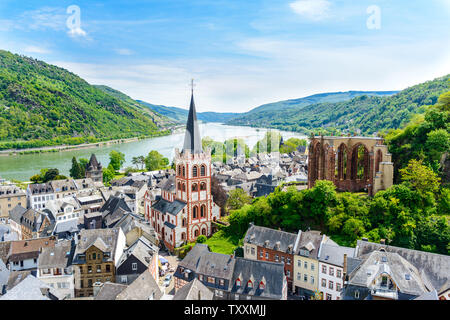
[330, 97]
[364, 114]
[180, 115]
[41, 104]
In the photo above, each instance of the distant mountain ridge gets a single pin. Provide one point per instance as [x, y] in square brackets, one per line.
[317, 98]
[180, 115]
[365, 114]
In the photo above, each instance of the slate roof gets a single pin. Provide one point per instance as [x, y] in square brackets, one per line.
[104, 239]
[194, 290]
[271, 273]
[334, 255]
[376, 263]
[143, 288]
[32, 288]
[93, 163]
[172, 208]
[309, 240]
[59, 256]
[15, 277]
[40, 188]
[278, 240]
[142, 249]
[192, 140]
[191, 259]
[59, 185]
[169, 225]
[67, 226]
[109, 291]
[29, 218]
[113, 210]
[167, 184]
[434, 265]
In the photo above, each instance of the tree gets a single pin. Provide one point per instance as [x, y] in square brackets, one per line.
[116, 159]
[76, 172]
[237, 198]
[135, 161]
[155, 161]
[420, 177]
[108, 174]
[201, 239]
[50, 175]
[83, 164]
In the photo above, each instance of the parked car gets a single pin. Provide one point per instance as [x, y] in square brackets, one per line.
[168, 277]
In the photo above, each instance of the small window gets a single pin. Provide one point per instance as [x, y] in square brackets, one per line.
[134, 266]
[238, 282]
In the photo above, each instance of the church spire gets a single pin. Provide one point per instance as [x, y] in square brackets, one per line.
[192, 141]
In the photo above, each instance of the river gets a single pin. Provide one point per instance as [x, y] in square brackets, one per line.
[22, 167]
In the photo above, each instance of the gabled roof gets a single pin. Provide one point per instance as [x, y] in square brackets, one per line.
[103, 239]
[434, 265]
[192, 140]
[32, 288]
[59, 256]
[310, 240]
[142, 249]
[143, 288]
[278, 240]
[334, 254]
[172, 208]
[194, 290]
[109, 291]
[270, 273]
[29, 249]
[379, 263]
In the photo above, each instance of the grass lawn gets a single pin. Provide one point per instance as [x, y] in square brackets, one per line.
[222, 243]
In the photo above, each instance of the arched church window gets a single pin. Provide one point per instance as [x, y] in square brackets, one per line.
[195, 212]
[202, 211]
[195, 171]
[202, 186]
[195, 187]
[203, 170]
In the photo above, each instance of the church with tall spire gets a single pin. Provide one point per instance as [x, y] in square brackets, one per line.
[186, 208]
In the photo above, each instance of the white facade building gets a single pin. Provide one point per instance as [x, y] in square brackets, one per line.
[331, 270]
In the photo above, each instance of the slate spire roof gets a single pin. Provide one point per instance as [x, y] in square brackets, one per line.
[93, 163]
[192, 140]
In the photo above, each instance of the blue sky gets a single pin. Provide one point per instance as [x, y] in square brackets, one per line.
[240, 53]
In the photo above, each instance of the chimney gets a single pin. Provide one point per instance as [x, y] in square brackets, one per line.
[365, 239]
[97, 287]
[382, 241]
[345, 269]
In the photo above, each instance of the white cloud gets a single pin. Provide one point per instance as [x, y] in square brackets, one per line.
[124, 52]
[311, 9]
[35, 49]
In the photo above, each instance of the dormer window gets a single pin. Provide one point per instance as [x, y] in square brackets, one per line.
[250, 284]
[238, 282]
[262, 286]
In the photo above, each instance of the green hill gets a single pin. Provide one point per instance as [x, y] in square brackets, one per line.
[180, 115]
[41, 104]
[364, 114]
[315, 99]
